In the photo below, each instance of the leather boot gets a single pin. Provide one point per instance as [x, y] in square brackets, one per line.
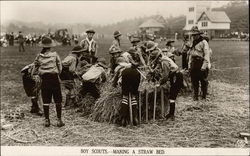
[171, 111]
[46, 114]
[35, 108]
[60, 122]
[59, 114]
[47, 123]
[204, 92]
[67, 101]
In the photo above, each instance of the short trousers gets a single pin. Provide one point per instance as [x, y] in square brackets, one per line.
[51, 88]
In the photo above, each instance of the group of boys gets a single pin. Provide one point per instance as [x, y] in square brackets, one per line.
[161, 63]
[82, 62]
[48, 72]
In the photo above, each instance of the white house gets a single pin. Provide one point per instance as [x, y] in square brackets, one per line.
[194, 11]
[215, 23]
[151, 26]
[200, 14]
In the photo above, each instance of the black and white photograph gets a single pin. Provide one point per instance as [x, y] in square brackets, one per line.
[124, 78]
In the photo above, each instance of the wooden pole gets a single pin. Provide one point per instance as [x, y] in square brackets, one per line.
[130, 109]
[140, 107]
[155, 98]
[162, 103]
[40, 104]
[146, 105]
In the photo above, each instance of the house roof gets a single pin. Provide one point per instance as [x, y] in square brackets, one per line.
[216, 16]
[151, 23]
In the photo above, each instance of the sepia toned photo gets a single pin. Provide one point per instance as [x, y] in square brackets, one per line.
[124, 78]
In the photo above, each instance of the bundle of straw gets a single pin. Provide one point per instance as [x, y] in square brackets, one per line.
[106, 108]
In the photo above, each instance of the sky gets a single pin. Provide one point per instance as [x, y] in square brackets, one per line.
[94, 12]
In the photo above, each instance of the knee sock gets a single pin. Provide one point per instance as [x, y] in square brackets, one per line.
[46, 110]
[172, 107]
[59, 110]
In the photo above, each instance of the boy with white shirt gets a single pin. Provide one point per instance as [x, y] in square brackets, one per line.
[89, 45]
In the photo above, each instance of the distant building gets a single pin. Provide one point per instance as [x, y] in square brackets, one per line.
[215, 23]
[151, 26]
[195, 9]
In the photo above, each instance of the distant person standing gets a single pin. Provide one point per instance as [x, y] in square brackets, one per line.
[21, 41]
[11, 39]
[114, 49]
[116, 44]
[89, 45]
[49, 66]
[75, 39]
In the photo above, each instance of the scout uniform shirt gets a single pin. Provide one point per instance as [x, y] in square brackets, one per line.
[115, 45]
[167, 66]
[70, 62]
[89, 46]
[49, 62]
[201, 50]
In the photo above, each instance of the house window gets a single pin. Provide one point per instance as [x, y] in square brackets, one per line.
[190, 21]
[191, 9]
[204, 24]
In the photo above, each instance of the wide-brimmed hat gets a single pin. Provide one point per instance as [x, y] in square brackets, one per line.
[47, 43]
[90, 31]
[77, 49]
[102, 62]
[151, 36]
[135, 40]
[132, 50]
[155, 54]
[169, 42]
[120, 60]
[195, 31]
[150, 45]
[117, 33]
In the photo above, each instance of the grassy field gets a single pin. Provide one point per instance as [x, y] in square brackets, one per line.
[214, 123]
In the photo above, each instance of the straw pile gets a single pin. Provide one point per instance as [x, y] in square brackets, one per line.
[106, 108]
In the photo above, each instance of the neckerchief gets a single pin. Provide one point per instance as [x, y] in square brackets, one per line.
[195, 42]
[90, 43]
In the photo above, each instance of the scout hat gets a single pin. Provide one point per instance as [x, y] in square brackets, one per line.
[27, 67]
[47, 43]
[155, 54]
[90, 31]
[132, 50]
[151, 37]
[195, 31]
[102, 62]
[169, 42]
[117, 33]
[150, 45]
[135, 40]
[77, 49]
